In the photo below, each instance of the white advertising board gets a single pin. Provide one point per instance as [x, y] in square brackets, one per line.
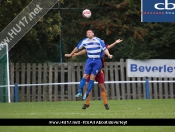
[151, 68]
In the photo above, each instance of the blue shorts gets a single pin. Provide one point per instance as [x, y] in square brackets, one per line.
[93, 66]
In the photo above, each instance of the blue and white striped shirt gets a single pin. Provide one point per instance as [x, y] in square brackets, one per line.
[94, 47]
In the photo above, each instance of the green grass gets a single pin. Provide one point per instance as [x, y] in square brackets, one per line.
[72, 109]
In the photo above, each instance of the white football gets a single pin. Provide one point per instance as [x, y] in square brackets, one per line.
[86, 13]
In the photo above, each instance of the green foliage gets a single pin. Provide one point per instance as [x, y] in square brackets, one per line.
[110, 20]
[113, 19]
[41, 43]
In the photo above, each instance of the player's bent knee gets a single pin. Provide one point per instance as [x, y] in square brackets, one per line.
[102, 88]
[85, 76]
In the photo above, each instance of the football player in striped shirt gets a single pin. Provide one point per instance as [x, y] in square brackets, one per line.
[99, 77]
[95, 49]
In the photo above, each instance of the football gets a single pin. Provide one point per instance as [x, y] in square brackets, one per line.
[86, 13]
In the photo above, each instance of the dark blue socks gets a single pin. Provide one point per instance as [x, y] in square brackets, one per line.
[81, 85]
[90, 86]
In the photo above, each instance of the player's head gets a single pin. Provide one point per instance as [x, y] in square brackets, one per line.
[90, 34]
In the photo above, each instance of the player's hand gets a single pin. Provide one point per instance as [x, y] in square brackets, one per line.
[110, 56]
[68, 55]
[118, 40]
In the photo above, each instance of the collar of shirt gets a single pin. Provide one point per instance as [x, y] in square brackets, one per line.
[91, 39]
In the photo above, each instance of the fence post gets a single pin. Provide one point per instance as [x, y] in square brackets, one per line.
[147, 89]
[16, 93]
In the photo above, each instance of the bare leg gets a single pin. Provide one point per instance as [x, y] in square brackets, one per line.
[104, 95]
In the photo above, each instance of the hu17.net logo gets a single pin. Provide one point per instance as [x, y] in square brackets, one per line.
[158, 11]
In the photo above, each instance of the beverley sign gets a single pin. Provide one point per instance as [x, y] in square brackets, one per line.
[151, 68]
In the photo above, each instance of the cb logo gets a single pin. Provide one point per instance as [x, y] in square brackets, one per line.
[164, 6]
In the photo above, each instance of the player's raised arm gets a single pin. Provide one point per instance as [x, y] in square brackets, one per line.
[113, 44]
[78, 47]
[82, 52]
[71, 54]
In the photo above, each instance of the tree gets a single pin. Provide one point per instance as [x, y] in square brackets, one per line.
[115, 19]
[40, 44]
[111, 19]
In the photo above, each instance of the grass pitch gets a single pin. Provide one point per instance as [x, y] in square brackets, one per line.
[160, 108]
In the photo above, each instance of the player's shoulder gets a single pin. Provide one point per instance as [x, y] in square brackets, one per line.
[85, 39]
[97, 38]
[82, 41]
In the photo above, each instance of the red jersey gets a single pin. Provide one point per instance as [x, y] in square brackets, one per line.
[103, 59]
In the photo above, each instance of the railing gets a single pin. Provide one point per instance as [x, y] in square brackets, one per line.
[146, 82]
